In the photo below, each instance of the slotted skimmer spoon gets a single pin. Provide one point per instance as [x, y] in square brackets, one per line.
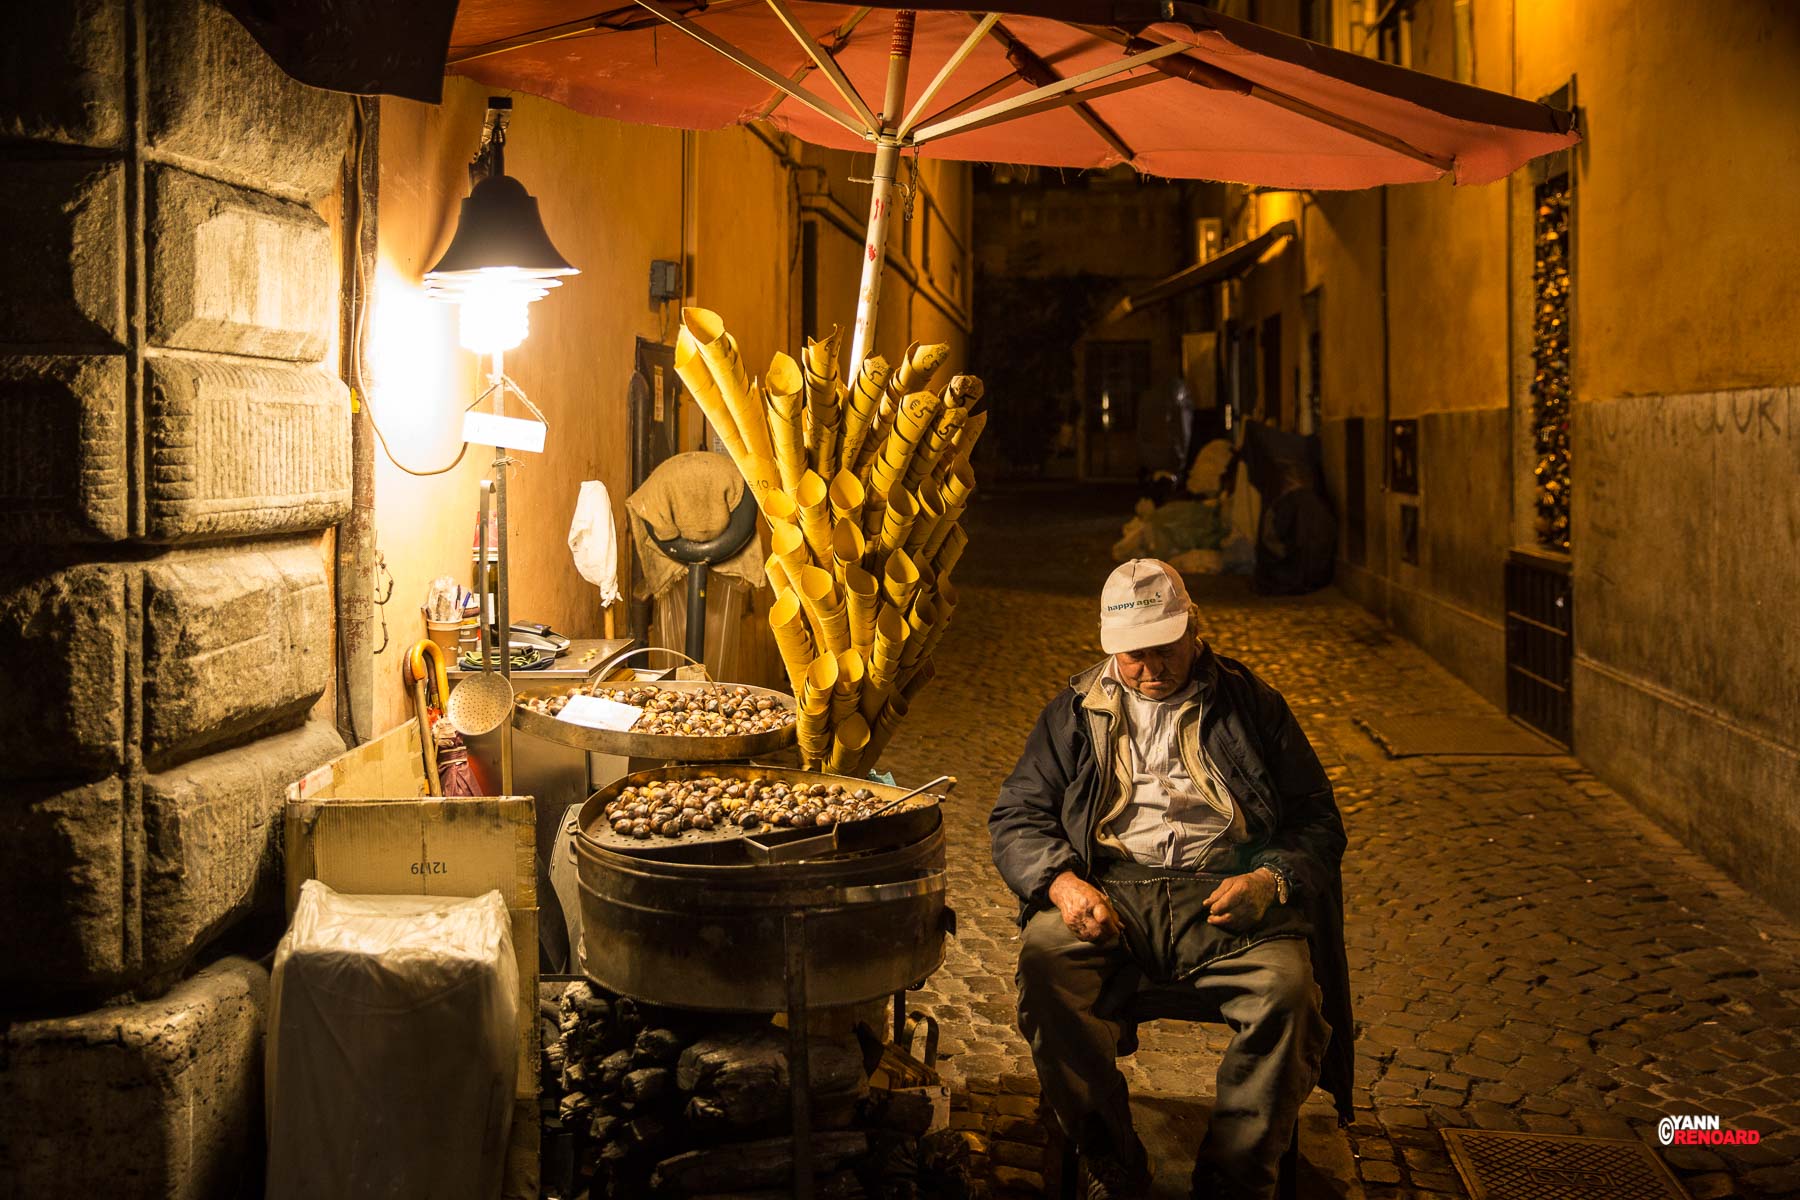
[482, 703]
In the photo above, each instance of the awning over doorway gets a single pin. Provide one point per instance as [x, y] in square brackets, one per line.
[1228, 264]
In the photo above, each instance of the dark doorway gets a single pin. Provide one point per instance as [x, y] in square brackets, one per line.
[1271, 408]
[1117, 379]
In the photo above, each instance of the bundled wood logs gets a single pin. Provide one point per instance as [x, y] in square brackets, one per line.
[863, 484]
[673, 1103]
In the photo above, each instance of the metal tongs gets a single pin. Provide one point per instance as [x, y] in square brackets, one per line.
[765, 854]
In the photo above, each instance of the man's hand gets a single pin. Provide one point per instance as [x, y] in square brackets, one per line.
[1084, 908]
[1240, 902]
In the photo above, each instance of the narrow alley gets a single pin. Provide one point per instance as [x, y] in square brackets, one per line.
[1528, 952]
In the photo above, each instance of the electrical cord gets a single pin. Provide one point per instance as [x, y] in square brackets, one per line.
[358, 327]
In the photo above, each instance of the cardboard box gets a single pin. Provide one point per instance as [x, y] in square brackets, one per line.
[364, 824]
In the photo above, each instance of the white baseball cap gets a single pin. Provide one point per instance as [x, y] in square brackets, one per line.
[1143, 604]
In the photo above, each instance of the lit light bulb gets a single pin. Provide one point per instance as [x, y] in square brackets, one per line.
[495, 305]
[493, 319]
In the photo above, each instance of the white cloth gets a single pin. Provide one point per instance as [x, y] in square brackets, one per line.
[595, 542]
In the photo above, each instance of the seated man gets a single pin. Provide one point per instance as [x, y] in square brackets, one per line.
[1169, 824]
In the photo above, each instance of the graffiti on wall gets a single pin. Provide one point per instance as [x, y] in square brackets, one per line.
[1743, 416]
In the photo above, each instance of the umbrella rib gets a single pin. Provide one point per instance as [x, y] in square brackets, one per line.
[753, 65]
[1008, 109]
[827, 64]
[949, 68]
[839, 37]
[1034, 70]
[1064, 100]
[1206, 75]
[537, 37]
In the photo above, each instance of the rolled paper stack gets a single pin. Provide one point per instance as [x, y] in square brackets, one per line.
[847, 697]
[849, 744]
[863, 482]
[787, 402]
[813, 726]
[792, 639]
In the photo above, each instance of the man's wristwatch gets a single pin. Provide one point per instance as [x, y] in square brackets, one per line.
[1282, 887]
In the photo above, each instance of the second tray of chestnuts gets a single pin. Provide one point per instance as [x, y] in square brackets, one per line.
[672, 807]
[726, 710]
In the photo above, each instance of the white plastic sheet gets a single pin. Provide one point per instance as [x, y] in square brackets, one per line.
[392, 1049]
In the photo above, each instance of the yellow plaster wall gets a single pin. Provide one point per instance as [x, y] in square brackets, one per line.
[1689, 188]
[613, 197]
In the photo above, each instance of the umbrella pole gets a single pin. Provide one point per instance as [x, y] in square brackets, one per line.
[887, 164]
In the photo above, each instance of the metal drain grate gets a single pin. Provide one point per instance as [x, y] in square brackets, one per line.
[1551, 1166]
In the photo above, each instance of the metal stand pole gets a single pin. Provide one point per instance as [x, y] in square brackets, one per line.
[503, 605]
[696, 611]
[887, 162]
[793, 940]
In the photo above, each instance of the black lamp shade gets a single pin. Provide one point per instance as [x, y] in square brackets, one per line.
[499, 228]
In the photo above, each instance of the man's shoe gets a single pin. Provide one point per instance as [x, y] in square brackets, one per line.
[1104, 1176]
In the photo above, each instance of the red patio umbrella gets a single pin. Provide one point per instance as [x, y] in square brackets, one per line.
[1168, 86]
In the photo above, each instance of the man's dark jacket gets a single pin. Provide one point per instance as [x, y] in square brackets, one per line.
[1043, 822]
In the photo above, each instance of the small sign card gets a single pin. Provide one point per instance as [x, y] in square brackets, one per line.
[597, 712]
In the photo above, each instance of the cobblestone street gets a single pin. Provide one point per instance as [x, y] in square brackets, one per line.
[1528, 952]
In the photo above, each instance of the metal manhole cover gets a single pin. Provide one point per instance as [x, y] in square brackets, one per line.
[1552, 1166]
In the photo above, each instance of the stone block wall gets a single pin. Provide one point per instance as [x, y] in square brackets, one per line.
[177, 443]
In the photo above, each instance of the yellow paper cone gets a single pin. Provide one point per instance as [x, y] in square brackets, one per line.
[923, 673]
[792, 639]
[778, 576]
[721, 354]
[813, 731]
[849, 741]
[918, 628]
[883, 428]
[789, 545]
[764, 479]
[692, 369]
[936, 444]
[846, 548]
[951, 551]
[846, 496]
[964, 445]
[963, 391]
[824, 436]
[890, 645]
[899, 580]
[778, 507]
[917, 414]
[919, 365]
[784, 385]
[847, 696]
[821, 682]
[864, 402]
[931, 511]
[896, 522]
[820, 361]
[815, 515]
[862, 597]
[820, 592]
[958, 485]
[883, 733]
[874, 699]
